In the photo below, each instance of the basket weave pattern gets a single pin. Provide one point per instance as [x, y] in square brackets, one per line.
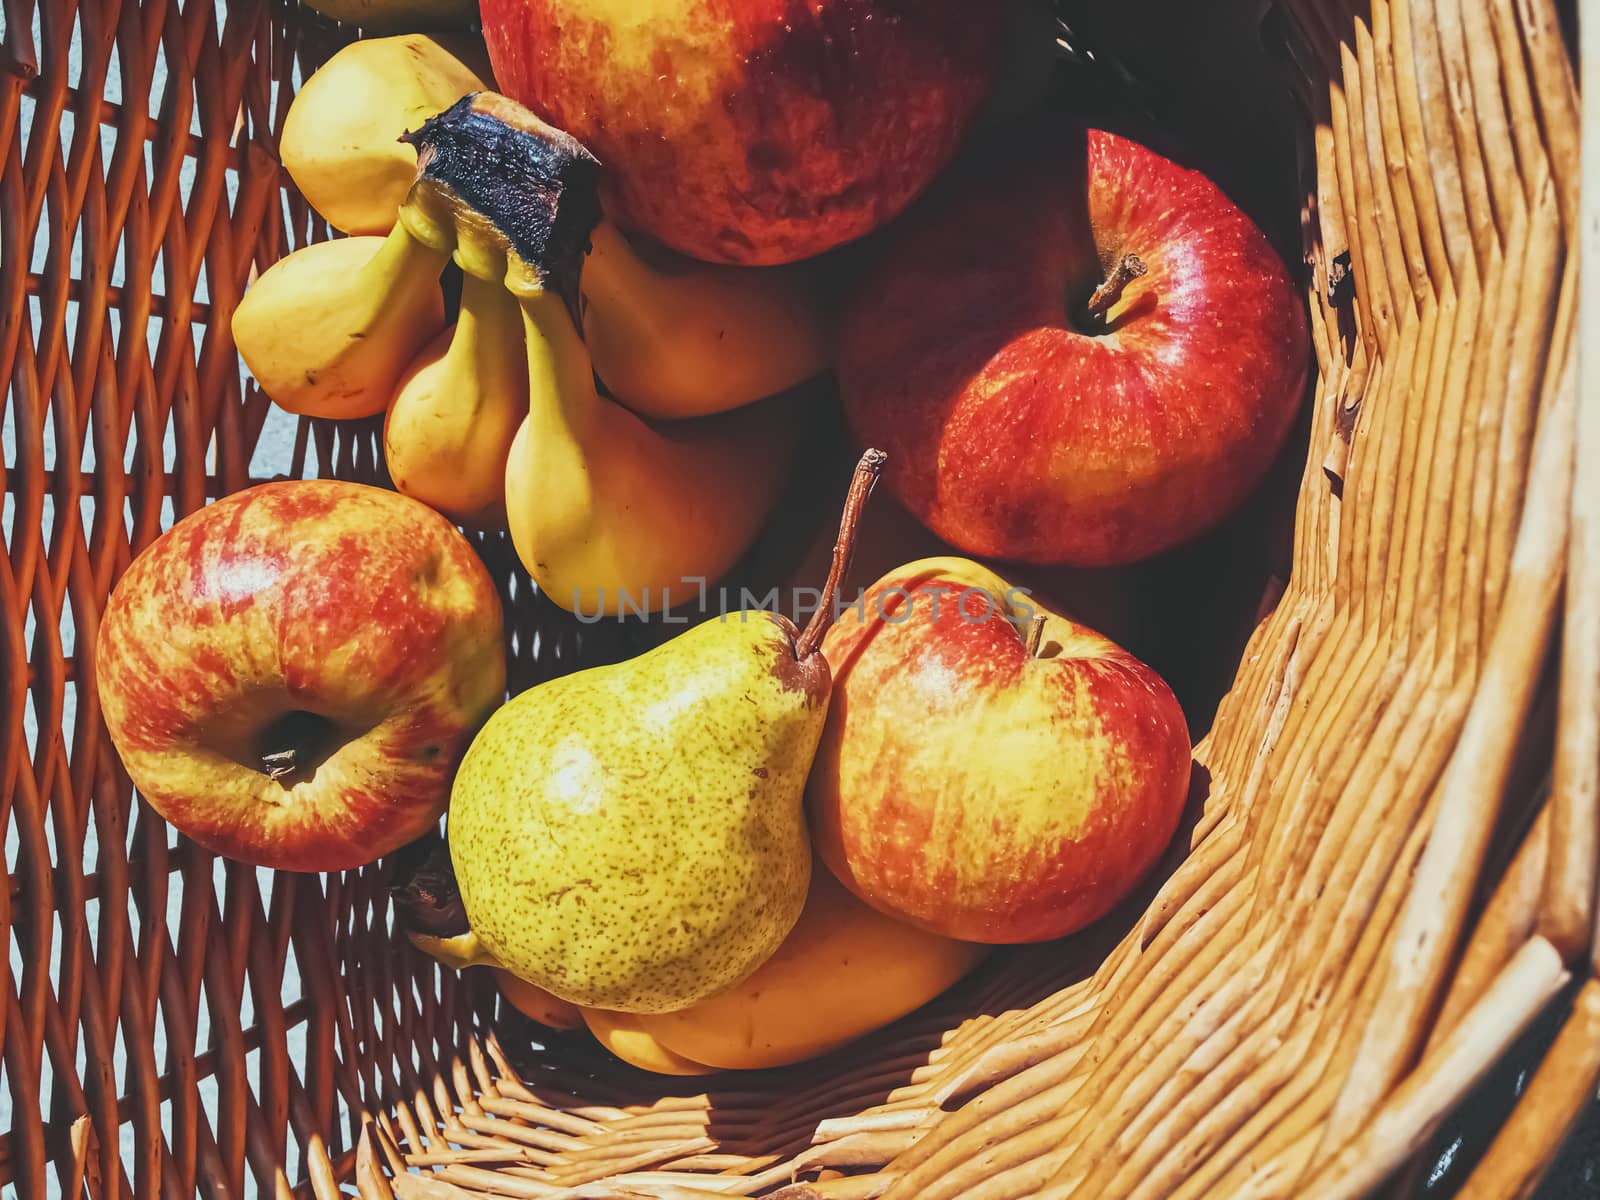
[1340, 955]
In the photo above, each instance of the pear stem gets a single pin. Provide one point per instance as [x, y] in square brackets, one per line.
[1035, 636]
[1129, 267]
[844, 548]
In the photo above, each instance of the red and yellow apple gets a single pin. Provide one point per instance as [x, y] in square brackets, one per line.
[1030, 413]
[990, 771]
[753, 131]
[291, 674]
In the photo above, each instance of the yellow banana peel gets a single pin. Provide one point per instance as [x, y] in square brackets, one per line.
[341, 136]
[449, 430]
[328, 330]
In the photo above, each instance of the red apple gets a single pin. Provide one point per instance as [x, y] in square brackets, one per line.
[291, 674]
[1021, 425]
[990, 771]
[753, 131]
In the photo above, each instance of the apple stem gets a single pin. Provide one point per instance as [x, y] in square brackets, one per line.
[280, 763]
[1129, 267]
[1035, 636]
[294, 743]
[844, 547]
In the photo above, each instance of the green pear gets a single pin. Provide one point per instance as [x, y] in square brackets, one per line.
[632, 837]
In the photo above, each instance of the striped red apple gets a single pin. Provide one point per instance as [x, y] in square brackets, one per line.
[990, 770]
[1078, 352]
[291, 674]
[753, 131]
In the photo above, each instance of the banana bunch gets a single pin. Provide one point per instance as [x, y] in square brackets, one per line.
[355, 327]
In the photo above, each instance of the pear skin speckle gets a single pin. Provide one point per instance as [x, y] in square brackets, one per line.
[632, 837]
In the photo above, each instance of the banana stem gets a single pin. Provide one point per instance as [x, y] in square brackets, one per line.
[561, 391]
[468, 336]
[541, 196]
[413, 262]
[844, 548]
[489, 317]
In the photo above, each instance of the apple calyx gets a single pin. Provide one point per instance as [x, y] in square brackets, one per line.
[488, 167]
[294, 746]
[1127, 268]
[844, 547]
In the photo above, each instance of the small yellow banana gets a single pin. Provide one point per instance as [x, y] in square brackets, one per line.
[844, 970]
[464, 950]
[622, 1034]
[537, 1004]
[673, 338]
[328, 330]
[341, 137]
[449, 429]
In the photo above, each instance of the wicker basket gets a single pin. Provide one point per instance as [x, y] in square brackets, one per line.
[1346, 942]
